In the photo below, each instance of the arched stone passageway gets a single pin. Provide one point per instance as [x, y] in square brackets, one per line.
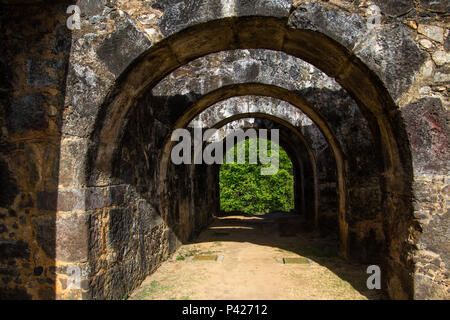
[300, 153]
[295, 100]
[374, 100]
[82, 165]
[257, 238]
[353, 136]
[299, 124]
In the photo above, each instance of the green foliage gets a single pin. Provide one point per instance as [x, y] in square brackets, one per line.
[180, 257]
[243, 188]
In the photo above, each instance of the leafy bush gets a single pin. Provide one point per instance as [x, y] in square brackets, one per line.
[243, 188]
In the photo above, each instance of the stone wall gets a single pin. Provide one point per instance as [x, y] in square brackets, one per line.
[34, 58]
[131, 238]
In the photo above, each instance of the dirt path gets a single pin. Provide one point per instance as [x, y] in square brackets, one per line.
[249, 265]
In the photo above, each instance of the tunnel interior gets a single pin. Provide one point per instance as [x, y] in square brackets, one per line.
[171, 204]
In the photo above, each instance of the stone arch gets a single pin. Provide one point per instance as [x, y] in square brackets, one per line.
[328, 56]
[308, 163]
[305, 36]
[280, 93]
[277, 109]
[58, 84]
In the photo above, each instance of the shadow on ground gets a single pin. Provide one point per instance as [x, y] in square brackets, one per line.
[280, 235]
[291, 234]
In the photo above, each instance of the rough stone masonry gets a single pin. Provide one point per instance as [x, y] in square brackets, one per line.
[86, 181]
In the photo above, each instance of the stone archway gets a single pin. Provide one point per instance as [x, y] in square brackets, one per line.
[327, 48]
[70, 99]
[275, 92]
[371, 100]
[303, 161]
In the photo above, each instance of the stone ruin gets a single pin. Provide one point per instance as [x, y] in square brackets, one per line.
[86, 115]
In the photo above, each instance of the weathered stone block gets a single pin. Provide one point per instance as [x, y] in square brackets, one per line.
[433, 32]
[37, 74]
[123, 46]
[72, 237]
[179, 14]
[71, 200]
[148, 217]
[9, 185]
[428, 127]
[11, 249]
[71, 167]
[45, 230]
[389, 51]
[435, 5]
[426, 289]
[89, 8]
[271, 8]
[120, 224]
[27, 113]
[395, 7]
[47, 200]
[347, 29]
[97, 198]
[394, 56]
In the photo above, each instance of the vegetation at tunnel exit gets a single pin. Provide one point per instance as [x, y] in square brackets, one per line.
[243, 188]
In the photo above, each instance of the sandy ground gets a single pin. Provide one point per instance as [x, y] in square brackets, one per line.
[250, 253]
